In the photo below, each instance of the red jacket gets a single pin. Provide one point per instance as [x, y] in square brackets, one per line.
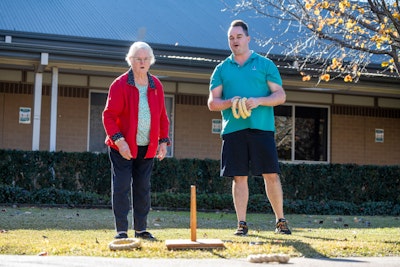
[120, 115]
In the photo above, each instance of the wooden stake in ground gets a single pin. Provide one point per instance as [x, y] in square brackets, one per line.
[193, 214]
[193, 242]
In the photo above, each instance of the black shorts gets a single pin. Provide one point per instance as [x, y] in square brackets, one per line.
[249, 152]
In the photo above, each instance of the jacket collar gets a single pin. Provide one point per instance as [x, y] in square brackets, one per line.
[131, 79]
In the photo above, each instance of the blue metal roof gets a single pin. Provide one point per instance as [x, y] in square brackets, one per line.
[179, 24]
[188, 23]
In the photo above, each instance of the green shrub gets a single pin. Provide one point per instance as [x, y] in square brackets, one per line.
[71, 178]
[10, 194]
[52, 196]
[258, 203]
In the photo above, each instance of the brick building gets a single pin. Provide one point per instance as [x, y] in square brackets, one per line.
[57, 59]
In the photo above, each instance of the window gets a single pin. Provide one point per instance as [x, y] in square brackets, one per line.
[283, 132]
[96, 135]
[169, 106]
[96, 129]
[304, 138]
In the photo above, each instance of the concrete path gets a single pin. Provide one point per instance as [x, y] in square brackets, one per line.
[61, 261]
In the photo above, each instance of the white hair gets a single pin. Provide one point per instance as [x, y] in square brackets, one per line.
[138, 46]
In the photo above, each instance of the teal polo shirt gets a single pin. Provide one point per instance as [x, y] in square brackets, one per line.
[249, 80]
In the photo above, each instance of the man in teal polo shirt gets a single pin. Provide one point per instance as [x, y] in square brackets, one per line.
[252, 84]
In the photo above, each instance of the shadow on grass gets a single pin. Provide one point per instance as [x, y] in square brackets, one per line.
[304, 249]
[216, 224]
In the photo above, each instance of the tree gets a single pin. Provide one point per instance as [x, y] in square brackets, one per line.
[342, 38]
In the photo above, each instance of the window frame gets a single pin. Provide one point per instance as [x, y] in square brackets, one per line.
[293, 134]
[91, 91]
[170, 115]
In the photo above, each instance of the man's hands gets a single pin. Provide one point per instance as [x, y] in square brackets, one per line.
[244, 106]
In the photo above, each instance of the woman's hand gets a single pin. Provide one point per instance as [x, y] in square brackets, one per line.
[162, 151]
[123, 149]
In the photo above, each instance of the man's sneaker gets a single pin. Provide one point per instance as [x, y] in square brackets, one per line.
[282, 227]
[145, 235]
[242, 229]
[121, 235]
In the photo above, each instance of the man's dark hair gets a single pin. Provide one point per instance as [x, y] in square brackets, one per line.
[241, 23]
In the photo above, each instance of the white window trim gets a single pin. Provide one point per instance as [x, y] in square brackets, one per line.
[328, 156]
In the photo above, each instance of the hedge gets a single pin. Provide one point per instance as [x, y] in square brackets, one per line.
[89, 173]
[258, 203]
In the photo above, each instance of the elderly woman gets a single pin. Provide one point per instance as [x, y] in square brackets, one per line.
[136, 125]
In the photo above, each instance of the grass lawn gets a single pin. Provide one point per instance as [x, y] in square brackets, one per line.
[87, 232]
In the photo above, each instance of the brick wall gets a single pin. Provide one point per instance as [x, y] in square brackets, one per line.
[71, 126]
[353, 140]
[14, 134]
[193, 137]
[352, 134]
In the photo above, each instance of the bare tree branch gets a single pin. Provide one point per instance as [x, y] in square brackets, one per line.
[342, 37]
